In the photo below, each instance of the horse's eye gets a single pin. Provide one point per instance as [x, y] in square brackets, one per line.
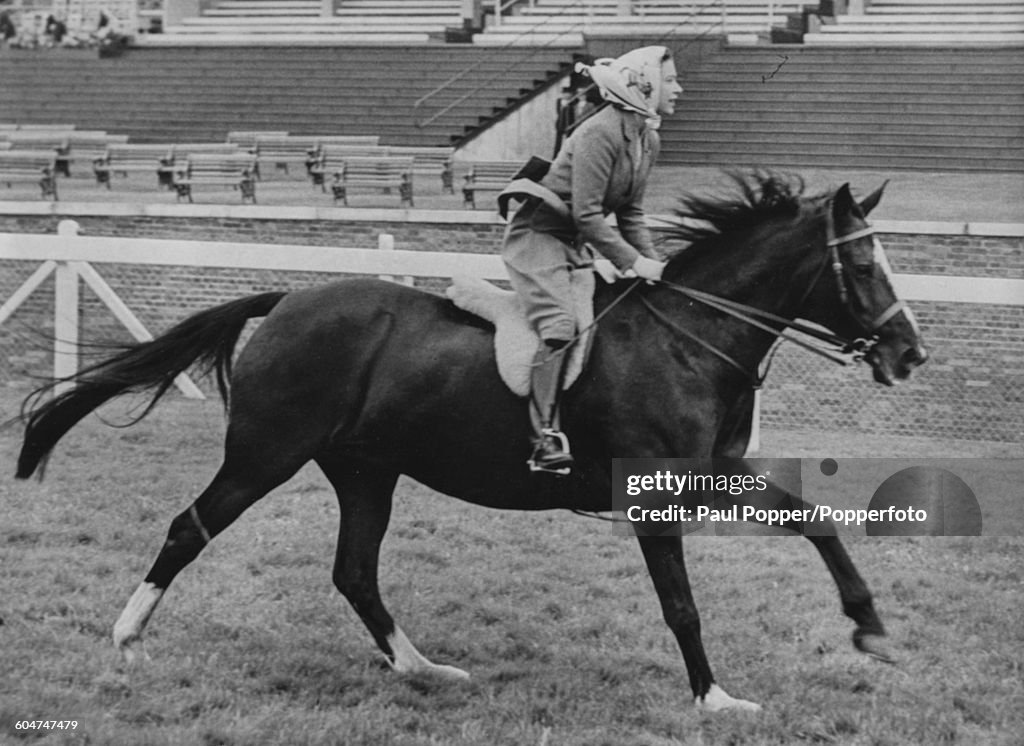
[864, 270]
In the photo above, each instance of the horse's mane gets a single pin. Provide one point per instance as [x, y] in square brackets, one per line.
[756, 196]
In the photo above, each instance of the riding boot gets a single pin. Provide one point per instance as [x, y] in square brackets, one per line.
[551, 447]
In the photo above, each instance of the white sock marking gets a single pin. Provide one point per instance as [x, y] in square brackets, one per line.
[407, 659]
[717, 700]
[136, 614]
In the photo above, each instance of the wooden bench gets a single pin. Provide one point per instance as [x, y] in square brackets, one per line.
[285, 151]
[127, 158]
[182, 151]
[435, 161]
[491, 176]
[382, 173]
[331, 156]
[246, 139]
[36, 166]
[88, 146]
[366, 140]
[55, 141]
[237, 170]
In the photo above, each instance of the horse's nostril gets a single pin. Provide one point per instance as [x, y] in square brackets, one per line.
[915, 356]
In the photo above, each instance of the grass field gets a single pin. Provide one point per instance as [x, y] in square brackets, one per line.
[553, 616]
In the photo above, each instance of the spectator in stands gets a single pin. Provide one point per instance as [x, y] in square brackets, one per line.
[108, 35]
[8, 30]
[30, 34]
[104, 27]
[602, 168]
[55, 31]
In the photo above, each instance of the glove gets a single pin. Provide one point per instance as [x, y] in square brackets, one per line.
[648, 269]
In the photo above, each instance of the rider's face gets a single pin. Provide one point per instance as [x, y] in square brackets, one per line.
[669, 90]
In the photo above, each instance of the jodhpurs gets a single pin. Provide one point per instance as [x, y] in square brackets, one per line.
[540, 251]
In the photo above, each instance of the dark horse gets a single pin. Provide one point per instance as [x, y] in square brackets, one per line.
[372, 380]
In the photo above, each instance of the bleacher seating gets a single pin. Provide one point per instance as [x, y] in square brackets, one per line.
[430, 161]
[303, 21]
[381, 173]
[236, 170]
[330, 158]
[543, 21]
[892, 108]
[37, 167]
[487, 176]
[124, 159]
[287, 88]
[926, 22]
[246, 139]
[86, 147]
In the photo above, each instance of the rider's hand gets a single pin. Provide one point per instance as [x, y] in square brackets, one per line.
[648, 269]
[608, 271]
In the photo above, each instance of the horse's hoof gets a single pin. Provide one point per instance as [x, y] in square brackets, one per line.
[875, 646]
[132, 651]
[450, 673]
[716, 700]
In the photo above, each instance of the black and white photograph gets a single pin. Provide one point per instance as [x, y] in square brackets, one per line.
[512, 372]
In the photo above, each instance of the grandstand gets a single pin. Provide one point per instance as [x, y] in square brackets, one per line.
[168, 94]
[314, 22]
[830, 97]
[890, 107]
[572, 21]
[926, 22]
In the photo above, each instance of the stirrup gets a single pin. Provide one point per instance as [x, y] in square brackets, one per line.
[562, 462]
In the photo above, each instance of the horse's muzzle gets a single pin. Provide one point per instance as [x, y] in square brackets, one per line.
[890, 372]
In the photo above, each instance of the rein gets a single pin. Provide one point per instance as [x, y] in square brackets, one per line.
[841, 347]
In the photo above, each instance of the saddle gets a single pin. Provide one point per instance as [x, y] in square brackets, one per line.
[514, 341]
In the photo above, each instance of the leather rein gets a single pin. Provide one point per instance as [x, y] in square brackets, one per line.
[841, 350]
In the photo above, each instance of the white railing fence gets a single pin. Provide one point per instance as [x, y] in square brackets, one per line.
[70, 257]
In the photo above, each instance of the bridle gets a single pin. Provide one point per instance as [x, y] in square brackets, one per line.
[833, 243]
[839, 349]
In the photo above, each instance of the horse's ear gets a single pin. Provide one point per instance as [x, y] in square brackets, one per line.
[842, 202]
[870, 202]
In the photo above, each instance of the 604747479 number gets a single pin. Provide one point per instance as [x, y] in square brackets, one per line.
[46, 725]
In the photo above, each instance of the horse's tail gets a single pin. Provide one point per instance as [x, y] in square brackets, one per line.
[207, 338]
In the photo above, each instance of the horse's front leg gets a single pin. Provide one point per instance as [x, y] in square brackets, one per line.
[869, 636]
[664, 557]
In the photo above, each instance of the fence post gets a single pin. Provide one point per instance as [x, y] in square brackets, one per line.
[65, 322]
[754, 444]
[386, 242]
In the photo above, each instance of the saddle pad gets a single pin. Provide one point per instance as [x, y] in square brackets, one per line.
[514, 341]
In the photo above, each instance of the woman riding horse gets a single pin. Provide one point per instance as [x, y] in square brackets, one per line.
[603, 168]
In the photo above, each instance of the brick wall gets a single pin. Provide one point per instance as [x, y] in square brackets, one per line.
[969, 389]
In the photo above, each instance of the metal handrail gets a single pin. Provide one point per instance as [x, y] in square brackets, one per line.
[579, 4]
[423, 99]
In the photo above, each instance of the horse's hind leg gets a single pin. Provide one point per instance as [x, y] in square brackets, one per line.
[364, 496]
[238, 484]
